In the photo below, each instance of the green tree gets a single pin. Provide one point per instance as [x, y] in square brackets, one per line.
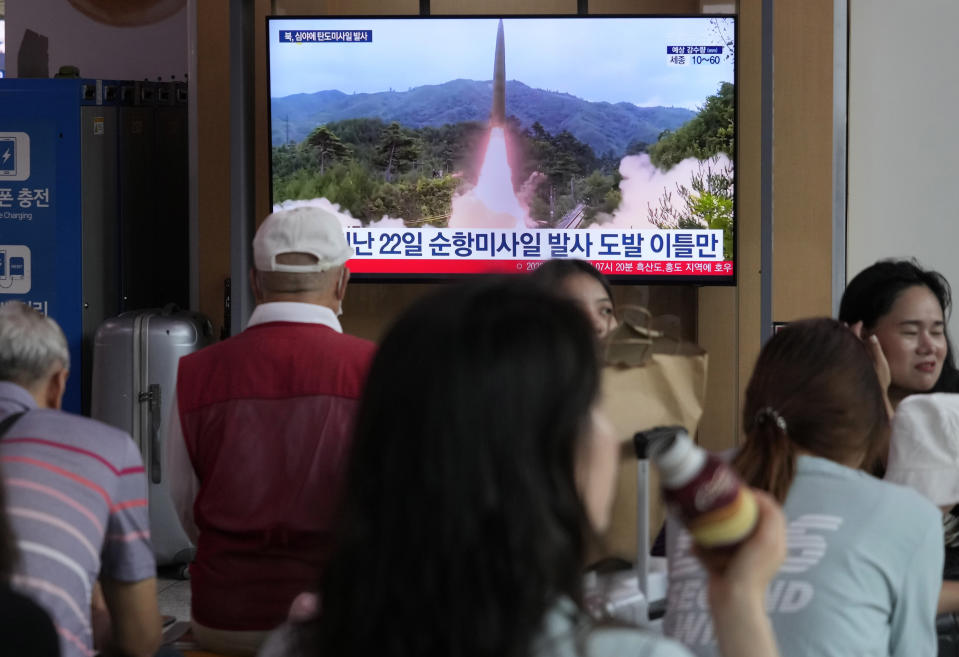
[710, 132]
[397, 149]
[326, 145]
[566, 162]
[435, 198]
[709, 204]
[600, 193]
[289, 158]
[636, 147]
[361, 135]
[560, 156]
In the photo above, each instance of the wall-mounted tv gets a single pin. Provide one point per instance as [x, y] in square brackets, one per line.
[452, 146]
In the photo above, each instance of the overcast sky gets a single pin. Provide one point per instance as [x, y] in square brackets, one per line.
[597, 59]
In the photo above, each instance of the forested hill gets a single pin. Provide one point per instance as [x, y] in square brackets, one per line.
[604, 126]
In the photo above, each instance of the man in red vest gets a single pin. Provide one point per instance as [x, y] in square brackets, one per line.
[260, 432]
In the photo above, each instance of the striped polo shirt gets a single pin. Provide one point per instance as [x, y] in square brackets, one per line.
[76, 501]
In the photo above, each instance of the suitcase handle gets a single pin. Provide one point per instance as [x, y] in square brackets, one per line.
[153, 421]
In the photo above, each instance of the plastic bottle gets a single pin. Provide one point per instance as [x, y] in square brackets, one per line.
[715, 505]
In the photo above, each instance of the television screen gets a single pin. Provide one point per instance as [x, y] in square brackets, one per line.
[452, 146]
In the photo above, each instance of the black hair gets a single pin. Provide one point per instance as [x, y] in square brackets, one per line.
[462, 524]
[552, 273]
[871, 294]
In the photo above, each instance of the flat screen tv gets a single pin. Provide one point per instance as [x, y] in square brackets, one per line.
[455, 146]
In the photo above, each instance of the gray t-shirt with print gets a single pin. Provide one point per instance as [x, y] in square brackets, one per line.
[862, 574]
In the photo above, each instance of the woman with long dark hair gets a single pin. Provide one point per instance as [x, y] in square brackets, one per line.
[481, 469]
[865, 556]
[906, 308]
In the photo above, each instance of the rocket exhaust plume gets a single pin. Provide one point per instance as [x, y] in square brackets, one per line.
[498, 113]
[492, 203]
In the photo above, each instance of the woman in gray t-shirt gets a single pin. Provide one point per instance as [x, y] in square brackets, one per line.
[863, 568]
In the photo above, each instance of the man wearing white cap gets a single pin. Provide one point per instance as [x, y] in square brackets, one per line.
[260, 433]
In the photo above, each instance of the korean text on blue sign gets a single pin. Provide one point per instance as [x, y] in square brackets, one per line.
[694, 50]
[504, 244]
[326, 36]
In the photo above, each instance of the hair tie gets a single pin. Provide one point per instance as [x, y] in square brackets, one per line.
[769, 414]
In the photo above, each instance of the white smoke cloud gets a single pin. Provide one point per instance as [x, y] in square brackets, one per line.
[387, 221]
[346, 219]
[642, 187]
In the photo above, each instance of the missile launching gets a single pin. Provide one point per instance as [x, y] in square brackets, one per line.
[497, 115]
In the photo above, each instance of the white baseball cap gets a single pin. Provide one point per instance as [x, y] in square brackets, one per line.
[310, 230]
[924, 446]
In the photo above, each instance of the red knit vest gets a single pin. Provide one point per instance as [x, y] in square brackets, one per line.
[267, 417]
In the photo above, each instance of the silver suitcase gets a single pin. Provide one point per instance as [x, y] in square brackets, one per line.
[636, 596]
[135, 358]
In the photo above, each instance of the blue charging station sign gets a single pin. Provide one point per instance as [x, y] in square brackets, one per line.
[40, 225]
[28, 212]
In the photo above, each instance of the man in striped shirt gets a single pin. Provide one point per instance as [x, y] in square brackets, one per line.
[76, 498]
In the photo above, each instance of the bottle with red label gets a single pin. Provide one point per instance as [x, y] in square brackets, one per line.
[705, 492]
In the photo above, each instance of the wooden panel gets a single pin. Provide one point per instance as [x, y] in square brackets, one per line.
[717, 334]
[676, 300]
[373, 7]
[645, 7]
[213, 140]
[503, 7]
[371, 308]
[802, 256]
[347, 7]
[261, 95]
[748, 182]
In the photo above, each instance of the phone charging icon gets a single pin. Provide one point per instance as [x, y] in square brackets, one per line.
[14, 156]
[8, 156]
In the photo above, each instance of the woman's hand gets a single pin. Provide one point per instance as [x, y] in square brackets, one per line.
[879, 362]
[878, 357]
[738, 582]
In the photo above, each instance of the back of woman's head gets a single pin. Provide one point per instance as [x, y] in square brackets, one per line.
[814, 388]
[461, 520]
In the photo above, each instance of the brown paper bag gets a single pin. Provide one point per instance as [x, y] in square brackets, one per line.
[650, 380]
